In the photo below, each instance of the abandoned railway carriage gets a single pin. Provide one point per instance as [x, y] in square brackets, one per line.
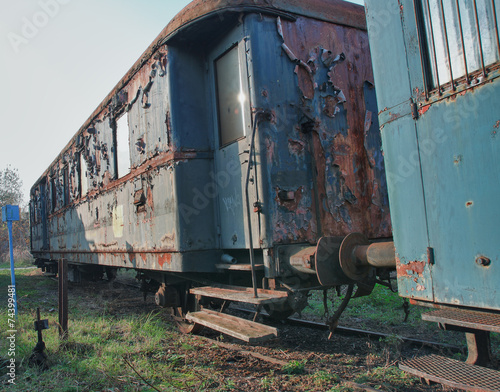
[436, 66]
[240, 149]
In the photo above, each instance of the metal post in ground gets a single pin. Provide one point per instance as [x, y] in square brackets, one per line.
[63, 298]
[11, 214]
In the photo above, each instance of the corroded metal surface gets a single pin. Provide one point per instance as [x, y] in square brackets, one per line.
[319, 169]
[332, 130]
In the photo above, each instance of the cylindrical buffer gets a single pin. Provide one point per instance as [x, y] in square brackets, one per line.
[380, 254]
[358, 256]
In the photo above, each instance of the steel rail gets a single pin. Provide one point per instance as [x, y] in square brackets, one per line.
[348, 331]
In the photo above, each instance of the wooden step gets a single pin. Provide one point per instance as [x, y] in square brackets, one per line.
[465, 319]
[239, 328]
[453, 373]
[241, 294]
[239, 267]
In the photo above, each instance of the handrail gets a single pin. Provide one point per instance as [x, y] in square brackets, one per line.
[249, 216]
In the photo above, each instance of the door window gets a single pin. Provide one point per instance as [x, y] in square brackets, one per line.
[232, 100]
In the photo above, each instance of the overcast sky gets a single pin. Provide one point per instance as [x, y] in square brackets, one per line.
[60, 58]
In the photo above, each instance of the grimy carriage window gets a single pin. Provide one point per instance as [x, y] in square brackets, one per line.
[460, 39]
[231, 98]
[84, 184]
[65, 180]
[122, 147]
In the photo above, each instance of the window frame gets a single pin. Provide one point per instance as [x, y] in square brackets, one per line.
[428, 57]
[246, 107]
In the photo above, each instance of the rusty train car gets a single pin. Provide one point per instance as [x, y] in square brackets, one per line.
[229, 163]
[436, 66]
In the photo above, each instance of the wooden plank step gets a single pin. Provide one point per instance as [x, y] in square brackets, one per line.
[239, 267]
[241, 294]
[239, 328]
[465, 318]
[453, 373]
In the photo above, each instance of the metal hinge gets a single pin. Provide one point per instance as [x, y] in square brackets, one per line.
[430, 256]
[414, 110]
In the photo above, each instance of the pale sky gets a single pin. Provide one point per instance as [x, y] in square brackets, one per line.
[60, 59]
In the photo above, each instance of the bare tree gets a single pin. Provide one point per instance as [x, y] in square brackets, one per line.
[11, 193]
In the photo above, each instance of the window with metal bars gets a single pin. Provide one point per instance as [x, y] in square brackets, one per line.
[459, 41]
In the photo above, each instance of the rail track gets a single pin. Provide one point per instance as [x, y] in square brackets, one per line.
[348, 331]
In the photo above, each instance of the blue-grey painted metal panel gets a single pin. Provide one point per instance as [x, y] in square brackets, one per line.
[442, 157]
[388, 51]
[461, 174]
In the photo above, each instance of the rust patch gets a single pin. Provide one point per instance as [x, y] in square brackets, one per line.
[330, 106]
[289, 199]
[149, 198]
[424, 109]
[164, 258]
[296, 147]
[410, 269]
[497, 125]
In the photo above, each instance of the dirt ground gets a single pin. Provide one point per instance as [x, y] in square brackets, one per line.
[340, 364]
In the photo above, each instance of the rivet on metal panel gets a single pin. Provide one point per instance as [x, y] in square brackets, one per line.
[483, 261]
[458, 159]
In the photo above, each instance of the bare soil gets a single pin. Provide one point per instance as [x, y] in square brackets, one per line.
[321, 364]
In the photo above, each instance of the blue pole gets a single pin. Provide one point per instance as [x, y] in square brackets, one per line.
[12, 271]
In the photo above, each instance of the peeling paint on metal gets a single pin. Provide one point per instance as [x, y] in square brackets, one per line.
[413, 268]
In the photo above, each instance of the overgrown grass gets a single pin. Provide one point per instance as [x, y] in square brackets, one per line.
[382, 306]
[102, 353]
[114, 349]
[388, 379]
[18, 263]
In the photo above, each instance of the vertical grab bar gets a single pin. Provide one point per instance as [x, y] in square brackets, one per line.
[247, 197]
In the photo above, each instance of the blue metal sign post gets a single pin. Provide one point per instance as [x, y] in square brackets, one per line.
[11, 214]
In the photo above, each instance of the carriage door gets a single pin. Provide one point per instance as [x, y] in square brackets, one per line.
[232, 143]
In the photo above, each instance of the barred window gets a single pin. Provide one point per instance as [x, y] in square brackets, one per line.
[460, 39]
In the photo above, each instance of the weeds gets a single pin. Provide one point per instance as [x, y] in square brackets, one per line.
[325, 379]
[388, 378]
[295, 367]
[107, 331]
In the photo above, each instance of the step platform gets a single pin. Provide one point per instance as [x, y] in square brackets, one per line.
[241, 294]
[236, 327]
[465, 319]
[476, 326]
[453, 373]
